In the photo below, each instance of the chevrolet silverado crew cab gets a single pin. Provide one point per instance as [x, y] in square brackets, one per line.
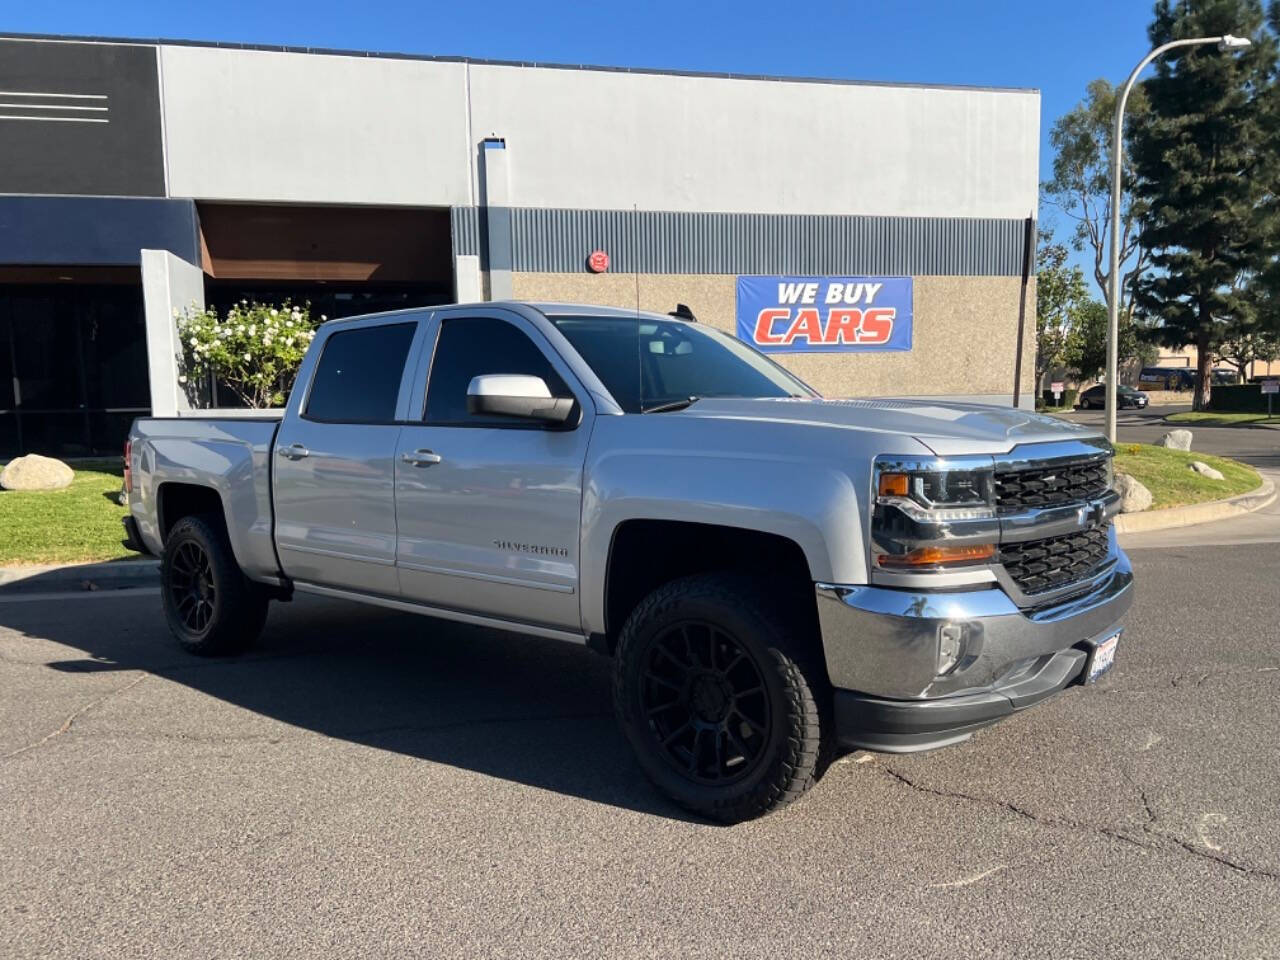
[775, 574]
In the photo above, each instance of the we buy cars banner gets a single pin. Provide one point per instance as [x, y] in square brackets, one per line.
[825, 314]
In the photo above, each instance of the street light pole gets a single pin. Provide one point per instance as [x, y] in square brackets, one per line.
[1226, 42]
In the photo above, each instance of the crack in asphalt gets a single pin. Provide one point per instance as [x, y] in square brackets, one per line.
[67, 723]
[1148, 828]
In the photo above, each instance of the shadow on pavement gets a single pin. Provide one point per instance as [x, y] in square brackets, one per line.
[533, 711]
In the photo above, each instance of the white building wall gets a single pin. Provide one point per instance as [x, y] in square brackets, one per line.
[310, 128]
[611, 140]
[293, 127]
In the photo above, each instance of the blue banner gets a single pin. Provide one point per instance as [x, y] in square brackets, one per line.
[825, 314]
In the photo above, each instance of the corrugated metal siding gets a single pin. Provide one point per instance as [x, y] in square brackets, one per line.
[464, 225]
[645, 241]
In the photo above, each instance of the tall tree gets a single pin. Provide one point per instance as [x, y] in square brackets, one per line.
[1081, 184]
[1205, 165]
[1086, 347]
[1060, 291]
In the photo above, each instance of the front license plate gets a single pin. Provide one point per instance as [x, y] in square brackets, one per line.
[1104, 655]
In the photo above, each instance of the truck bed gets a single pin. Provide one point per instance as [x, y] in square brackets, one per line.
[229, 451]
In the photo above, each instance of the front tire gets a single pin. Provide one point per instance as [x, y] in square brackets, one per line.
[212, 608]
[723, 696]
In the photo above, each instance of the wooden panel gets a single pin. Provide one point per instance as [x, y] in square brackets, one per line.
[383, 244]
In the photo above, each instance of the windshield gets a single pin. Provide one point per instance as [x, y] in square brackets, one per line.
[647, 363]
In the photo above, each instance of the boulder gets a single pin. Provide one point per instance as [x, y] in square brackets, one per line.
[1134, 497]
[1177, 440]
[34, 472]
[1205, 470]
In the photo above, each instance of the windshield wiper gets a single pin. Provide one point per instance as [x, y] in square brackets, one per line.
[670, 405]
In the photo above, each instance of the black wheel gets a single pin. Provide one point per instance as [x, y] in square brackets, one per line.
[212, 608]
[723, 698]
[1086, 404]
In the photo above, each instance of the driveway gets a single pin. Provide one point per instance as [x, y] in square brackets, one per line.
[1257, 444]
[373, 784]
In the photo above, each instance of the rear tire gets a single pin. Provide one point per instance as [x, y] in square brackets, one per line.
[212, 608]
[723, 696]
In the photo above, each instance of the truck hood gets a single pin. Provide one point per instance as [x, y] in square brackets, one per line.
[947, 429]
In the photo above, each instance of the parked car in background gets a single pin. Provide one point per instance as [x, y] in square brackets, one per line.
[1225, 376]
[1095, 398]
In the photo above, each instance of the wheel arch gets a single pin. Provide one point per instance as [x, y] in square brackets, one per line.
[645, 553]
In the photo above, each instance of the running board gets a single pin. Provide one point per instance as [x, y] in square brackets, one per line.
[444, 613]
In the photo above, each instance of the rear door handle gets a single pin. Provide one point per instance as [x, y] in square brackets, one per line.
[295, 451]
[421, 458]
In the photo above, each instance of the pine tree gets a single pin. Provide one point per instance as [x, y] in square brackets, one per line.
[1205, 163]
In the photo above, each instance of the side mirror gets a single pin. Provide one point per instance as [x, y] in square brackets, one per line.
[517, 395]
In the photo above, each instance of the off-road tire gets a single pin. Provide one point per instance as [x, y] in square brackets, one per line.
[238, 606]
[781, 637]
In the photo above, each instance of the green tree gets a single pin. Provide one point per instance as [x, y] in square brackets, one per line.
[1205, 164]
[1060, 291]
[1253, 335]
[1086, 348]
[1081, 185]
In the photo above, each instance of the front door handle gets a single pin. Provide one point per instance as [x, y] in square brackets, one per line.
[295, 451]
[421, 458]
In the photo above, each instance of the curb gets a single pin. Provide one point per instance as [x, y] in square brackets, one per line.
[1219, 426]
[1197, 512]
[113, 575]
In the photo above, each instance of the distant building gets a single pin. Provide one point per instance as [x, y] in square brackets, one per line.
[137, 178]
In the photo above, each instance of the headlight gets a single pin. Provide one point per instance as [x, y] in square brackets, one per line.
[963, 494]
[933, 514]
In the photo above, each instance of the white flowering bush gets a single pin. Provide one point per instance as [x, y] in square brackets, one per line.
[254, 350]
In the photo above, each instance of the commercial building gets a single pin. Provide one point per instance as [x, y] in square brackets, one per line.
[873, 236]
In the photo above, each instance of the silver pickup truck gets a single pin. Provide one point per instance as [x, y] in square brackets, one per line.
[776, 575]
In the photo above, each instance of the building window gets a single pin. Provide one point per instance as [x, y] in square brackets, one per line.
[73, 367]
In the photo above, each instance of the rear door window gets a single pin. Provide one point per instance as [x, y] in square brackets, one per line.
[358, 377]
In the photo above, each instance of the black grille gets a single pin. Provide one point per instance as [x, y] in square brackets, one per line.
[1040, 565]
[1035, 487]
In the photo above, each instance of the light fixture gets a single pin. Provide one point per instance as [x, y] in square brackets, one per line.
[1232, 42]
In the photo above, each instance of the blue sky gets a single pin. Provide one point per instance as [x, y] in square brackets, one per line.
[1057, 48]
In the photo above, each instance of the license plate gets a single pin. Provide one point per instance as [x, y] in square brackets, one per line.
[1104, 655]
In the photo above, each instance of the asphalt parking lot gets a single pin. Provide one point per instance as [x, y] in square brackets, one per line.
[1258, 444]
[370, 783]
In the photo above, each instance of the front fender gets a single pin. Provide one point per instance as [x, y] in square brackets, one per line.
[814, 505]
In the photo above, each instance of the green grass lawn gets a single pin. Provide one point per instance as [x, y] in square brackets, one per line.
[65, 526]
[1171, 481]
[1210, 419]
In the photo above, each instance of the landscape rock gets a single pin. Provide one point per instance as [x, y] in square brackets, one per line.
[34, 472]
[1177, 440]
[1205, 470]
[1134, 497]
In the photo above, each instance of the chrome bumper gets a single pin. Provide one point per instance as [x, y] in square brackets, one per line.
[883, 642]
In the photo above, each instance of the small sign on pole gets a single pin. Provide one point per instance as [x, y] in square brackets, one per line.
[1056, 388]
[1270, 388]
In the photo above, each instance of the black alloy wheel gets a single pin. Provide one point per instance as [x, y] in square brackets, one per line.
[720, 688]
[212, 608]
[191, 587]
[705, 701]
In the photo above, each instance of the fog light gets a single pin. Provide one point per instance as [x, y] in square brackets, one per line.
[950, 646]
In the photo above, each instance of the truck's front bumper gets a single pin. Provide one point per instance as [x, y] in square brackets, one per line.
[882, 652]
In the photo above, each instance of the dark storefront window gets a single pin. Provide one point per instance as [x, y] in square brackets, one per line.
[73, 361]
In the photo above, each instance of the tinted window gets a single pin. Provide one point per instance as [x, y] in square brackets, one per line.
[358, 377]
[646, 362]
[475, 346]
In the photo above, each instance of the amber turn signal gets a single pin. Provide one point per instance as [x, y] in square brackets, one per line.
[935, 556]
[894, 485]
